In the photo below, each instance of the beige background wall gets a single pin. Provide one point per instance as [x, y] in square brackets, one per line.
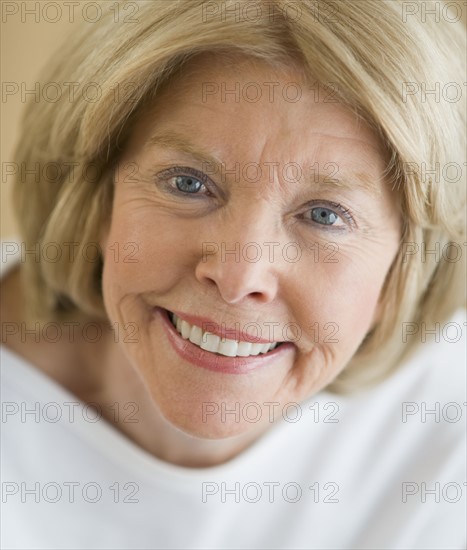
[25, 49]
[27, 42]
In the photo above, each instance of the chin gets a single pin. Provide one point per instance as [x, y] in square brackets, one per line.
[207, 426]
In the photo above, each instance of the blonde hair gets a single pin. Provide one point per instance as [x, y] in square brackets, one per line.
[374, 56]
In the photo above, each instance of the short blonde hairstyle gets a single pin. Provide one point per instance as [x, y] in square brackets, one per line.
[381, 61]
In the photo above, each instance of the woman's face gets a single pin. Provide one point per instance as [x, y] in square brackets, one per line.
[287, 239]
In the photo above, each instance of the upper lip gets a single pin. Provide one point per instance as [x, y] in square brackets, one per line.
[220, 329]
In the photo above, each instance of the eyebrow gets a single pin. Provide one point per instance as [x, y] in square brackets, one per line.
[351, 181]
[172, 140]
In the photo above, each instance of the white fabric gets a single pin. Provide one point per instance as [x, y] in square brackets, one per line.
[367, 455]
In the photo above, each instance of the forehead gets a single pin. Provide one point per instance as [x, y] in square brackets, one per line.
[249, 111]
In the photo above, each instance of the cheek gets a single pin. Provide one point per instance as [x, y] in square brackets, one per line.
[143, 252]
[338, 300]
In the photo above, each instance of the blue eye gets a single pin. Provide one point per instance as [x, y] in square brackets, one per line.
[182, 180]
[188, 184]
[324, 216]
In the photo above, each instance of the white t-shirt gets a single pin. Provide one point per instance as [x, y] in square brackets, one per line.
[375, 470]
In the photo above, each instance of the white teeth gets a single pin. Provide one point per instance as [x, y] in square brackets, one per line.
[186, 329]
[256, 349]
[213, 343]
[244, 349]
[196, 335]
[267, 347]
[210, 342]
[229, 348]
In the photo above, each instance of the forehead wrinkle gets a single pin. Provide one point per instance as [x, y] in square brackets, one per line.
[177, 142]
[360, 181]
[363, 143]
[351, 180]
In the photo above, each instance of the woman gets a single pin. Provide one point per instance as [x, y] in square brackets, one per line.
[216, 320]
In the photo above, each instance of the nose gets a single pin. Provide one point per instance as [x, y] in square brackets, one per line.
[242, 269]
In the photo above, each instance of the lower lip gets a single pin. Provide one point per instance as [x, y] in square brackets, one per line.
[218, 363]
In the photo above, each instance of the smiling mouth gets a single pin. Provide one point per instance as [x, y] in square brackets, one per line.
[216, 344]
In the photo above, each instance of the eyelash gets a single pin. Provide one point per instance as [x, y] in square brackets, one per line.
[173, 171]
[343, 212]
[184, 171]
